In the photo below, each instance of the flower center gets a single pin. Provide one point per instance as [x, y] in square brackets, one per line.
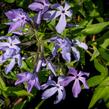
[63, 11]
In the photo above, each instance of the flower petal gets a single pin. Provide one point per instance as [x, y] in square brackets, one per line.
[68, 13]
[67, 80]
[76, 89]
[14, 26]
[30, 85]
[73, 71]
[49, 92]
[76, 53]
[37, 84]
[66, 56]
[57, 6]
[39, 64]
[15, 40]
[38, 21]
[50, 15]
[50, 66]
[81, 44]
[36, 6]
[67, 6]
[55, 49]
[22, 77]
[4, 44]
[19, 59]
[11, 14]
[61, 24]
[59, 97]
[10, 66]
[83, 80]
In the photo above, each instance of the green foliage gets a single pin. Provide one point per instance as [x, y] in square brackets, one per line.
[10, 1]
[95, 28]
[101, 92]
[92, 26]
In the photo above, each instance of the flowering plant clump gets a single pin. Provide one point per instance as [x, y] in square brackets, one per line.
[50, 47]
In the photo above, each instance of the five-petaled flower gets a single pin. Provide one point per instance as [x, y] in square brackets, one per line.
[77, 77]
[40, 6]
[54, 88]
[30, 78]
[10, 51]
[18, 19]
[66, 47]
[59, 11]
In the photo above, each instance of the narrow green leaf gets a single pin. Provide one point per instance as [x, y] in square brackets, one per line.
[105, 36]
[104, 53]
[10, 1]
[95, 28]
[102, 69]
[100, 92]
[2, 84]
[25, 66]
[14, 91]
[93, 81]
[105, 43]
[95, 54]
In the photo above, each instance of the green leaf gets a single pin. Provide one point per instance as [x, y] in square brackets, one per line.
[95, 54]
[93, 81]
[105, 43]
[10, 1]
[95, 28]
[105, 36]
[25, 66]
[102, 69]
[52, 24]
[2, 84]
[104, 53]
[100, 92]
[94, 13]
[14, 91]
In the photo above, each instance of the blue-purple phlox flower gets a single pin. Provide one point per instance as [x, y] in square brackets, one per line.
[77, 77]
[67, 47]
[42, 63]
[10, 48]
[59, 11]
[54, 88]
[18, 19]
[10, 51]
[31, 80]
[40, 6]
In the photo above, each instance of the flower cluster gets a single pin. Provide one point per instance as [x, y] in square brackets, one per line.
[67, 47]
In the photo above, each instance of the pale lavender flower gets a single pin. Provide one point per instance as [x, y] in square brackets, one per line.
[54, 88]
[59, 11]
[77, 77]
[31, 80]
[10, 48]
[11, 52]
[40, 6]
[43, 63]
[67, 47]
[18, 19]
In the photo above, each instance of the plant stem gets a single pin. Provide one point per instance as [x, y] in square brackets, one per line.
[38, 106]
